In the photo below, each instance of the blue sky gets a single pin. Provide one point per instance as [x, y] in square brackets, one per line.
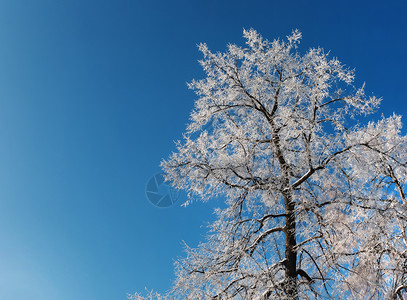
[92, 96]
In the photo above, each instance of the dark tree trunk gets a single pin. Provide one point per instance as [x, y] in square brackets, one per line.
[290, 285]
[290, 251]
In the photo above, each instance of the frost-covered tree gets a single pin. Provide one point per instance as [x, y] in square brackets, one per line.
[315, 201]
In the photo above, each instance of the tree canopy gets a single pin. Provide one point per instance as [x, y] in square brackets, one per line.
[315, 199]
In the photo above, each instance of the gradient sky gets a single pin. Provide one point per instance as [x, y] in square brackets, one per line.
[92, 96]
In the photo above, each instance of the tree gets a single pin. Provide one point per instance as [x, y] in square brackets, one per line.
[315, 201]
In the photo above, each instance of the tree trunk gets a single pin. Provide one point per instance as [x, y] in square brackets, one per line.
[290, 251]
[290, 285]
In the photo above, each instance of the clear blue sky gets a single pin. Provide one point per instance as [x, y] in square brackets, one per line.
[92, 96]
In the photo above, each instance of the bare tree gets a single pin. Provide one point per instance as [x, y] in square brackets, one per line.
[315, 201]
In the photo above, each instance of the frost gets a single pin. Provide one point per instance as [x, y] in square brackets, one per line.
[315, 208]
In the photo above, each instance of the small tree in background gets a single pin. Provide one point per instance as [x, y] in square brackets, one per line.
[315, 201]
